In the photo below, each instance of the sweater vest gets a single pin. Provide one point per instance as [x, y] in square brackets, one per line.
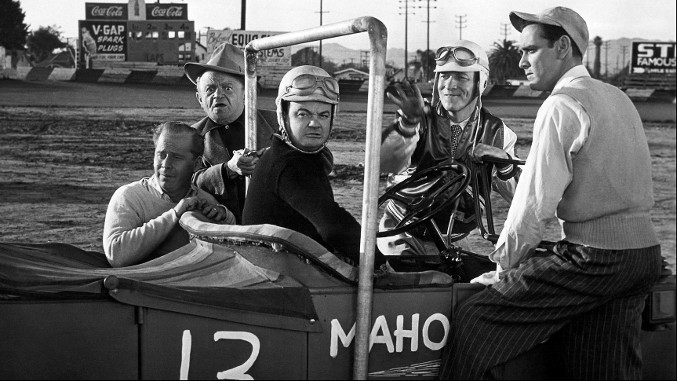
[607, 204]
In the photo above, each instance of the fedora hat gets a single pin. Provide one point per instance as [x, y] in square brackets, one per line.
[226, 58]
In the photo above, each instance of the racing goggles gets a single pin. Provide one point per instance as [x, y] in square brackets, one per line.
[461, 55]
[305, 84]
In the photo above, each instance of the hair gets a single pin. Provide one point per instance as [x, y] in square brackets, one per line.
[553, 33]
[179, 128]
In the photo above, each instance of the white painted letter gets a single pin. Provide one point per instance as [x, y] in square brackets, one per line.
[401, 333]
[239, 372]
[381, 324]
[338, 333]
[426, 326]
[186, 346]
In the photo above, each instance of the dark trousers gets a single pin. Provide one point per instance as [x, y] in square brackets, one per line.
[592, 297]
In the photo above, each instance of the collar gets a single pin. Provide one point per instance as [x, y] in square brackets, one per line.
[210, 124]
[577, 71]
[152, 182]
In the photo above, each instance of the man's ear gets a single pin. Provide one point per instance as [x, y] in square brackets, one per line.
[197, 96]
[197, 164]
[564, 45]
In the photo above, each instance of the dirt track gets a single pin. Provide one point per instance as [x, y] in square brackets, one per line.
[59, 167]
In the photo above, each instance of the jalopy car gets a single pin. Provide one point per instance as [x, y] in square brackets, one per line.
[263, 302]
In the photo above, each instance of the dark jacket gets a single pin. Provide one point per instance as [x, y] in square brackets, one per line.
[220, 141]
[291, 189]
[434, 147]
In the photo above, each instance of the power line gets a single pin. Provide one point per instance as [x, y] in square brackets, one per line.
[406, 26]
[505, 31]
[427, 46]
[624, 49]
[460, 24]
[606, 58]
[321, 12]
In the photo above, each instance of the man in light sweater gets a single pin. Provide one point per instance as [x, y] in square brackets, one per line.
[590, 167]
[142, 218]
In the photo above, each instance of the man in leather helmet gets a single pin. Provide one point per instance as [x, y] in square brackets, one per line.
[452, 127]
[290, 186]
[220, 92]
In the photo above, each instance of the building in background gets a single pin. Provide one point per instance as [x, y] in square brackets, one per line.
[116, 34]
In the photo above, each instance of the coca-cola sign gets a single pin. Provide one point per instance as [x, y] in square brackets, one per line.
[106, 11]
[167, 11]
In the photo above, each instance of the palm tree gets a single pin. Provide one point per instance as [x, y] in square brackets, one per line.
[598, 50]
[504, 61]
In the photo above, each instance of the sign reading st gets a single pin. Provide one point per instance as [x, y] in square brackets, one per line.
[653, 57]
[240, 38]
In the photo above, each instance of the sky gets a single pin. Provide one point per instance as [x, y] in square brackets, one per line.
[484, 21]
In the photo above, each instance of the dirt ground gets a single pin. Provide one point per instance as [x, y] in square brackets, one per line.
[59, 168]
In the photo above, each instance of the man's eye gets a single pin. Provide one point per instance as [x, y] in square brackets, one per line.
[324, 116]
[302, 114]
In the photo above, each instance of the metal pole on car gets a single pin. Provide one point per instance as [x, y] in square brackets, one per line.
[378, 36]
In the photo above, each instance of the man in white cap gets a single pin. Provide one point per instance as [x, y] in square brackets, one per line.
[453, 127]
[589, 166]
[220, 92]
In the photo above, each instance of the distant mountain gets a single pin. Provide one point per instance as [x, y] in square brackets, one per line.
[612, 59]
[340, 54]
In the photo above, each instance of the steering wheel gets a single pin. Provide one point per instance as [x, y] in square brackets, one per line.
[444, 182]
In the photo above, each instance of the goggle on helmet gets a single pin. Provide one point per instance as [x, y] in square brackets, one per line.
[463, 56]
[307, 83]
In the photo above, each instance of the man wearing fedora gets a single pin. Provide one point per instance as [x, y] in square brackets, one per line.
[220, 91]
[589, 166]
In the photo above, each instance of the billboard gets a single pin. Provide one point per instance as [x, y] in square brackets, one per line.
[653, 57]
[240, 38]
[103, 40]
[167, 11]
[105, 11]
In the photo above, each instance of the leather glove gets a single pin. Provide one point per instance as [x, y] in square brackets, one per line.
[482, 150]
[411, 106]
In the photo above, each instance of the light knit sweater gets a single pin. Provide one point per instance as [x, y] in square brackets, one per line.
[141, 223]
[608, 202]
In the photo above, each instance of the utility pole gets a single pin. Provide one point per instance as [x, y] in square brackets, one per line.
[426, 69]
[624, 49]
[321, 12]
[243, 14]
[606, 59]
[461, 23]
[504, 31]
[406, 27]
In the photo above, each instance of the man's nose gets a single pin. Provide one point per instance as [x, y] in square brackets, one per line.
[524, 63]
[219, 92]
